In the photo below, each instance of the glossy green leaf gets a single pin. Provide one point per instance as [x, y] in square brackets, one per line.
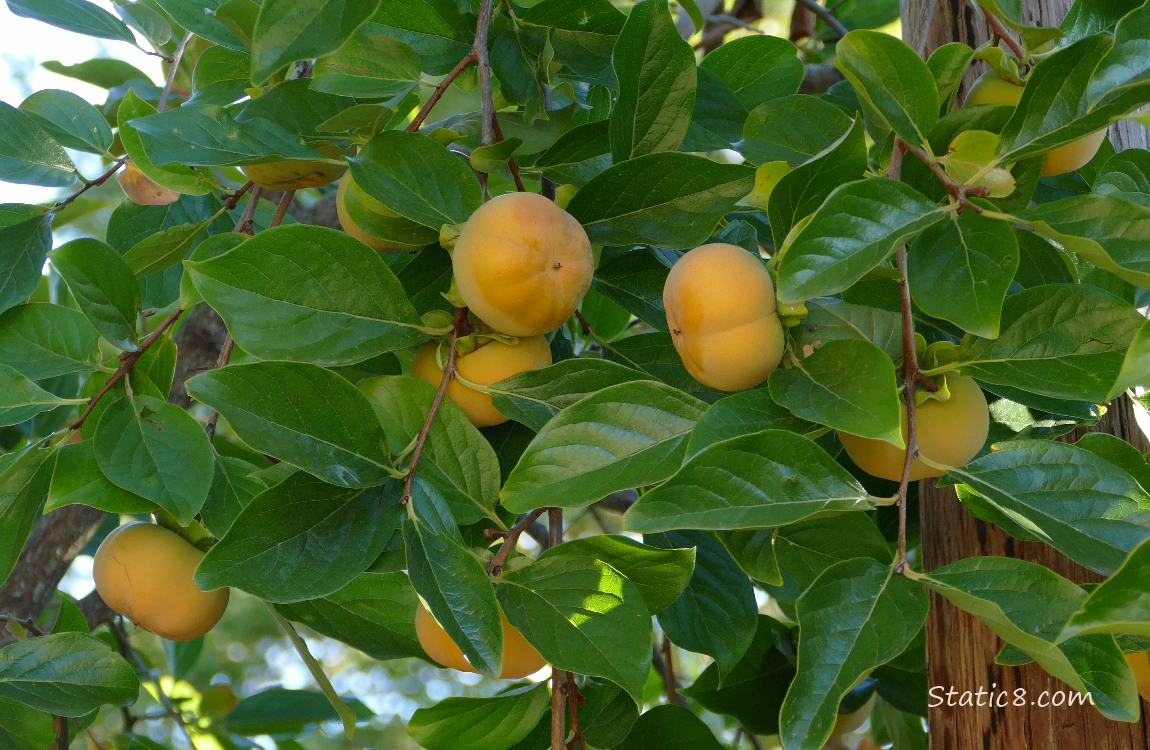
[26, 242]
[948, 64]
[656, 71]
[284, 713]
[66, 674]
[79, 16]
[210, 136]
[579, 154]
[1125, 172]
[624, 436]
[437, 29]
[174, 176]
[582, 32]
[847, 385]
[583, 616]
[858, 227]
[158, 451]
[25, 728]
[792, 128]
[24, 482]
[757, 68]
[43, 340]
[370, 64]
[805, 549]
[859, 614]
[78, 479]
[1010, 12]
[21, 399]
[634, 279]
[301, 539]
[290, 30]
[103, 286]
[1136, 365]
[670, 200]
[1120, 604]
[331, 300]
[832, 319]
[70, 119]
[670, 727]
[1060, 340]
[767, 478]
[494, 723]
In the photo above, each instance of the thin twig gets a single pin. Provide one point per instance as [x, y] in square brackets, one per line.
[827, 16]
[232, 200]
[225, 355]
[999, 30]
[172, 71]
[558, 720]
[574, 700]
[88, 185]
[738, 23]
[24, 622]
[282, 208]
[510, 159]
[63, 740]
[670, 683]
[245, 221]
[448, 373]
[146, 675]
[960, 192]
[129, 360]
[437, 94]
[510, 539]
[910, 376]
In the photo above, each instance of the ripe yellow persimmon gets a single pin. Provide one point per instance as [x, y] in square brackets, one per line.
[297, 174]
[491, 362]
[522, 264]
[520, 658]
[947, 432]
[377, 226]
[142, 189]
[720, 304]
[144, 572]
[1140, 663]
[991, 89]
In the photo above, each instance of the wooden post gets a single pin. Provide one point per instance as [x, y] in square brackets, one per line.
[960, 649]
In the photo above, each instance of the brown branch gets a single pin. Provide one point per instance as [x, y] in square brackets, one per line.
[25, 622]
[511, 164]
[63, 740]
[574, 700]
[225, 355]
[448, 373]
[231, 200]
[487, 100]
[999, 30]
[510, 539]
[282, 208]
[173, 70]
[670, 682]
[89, 184]
[129, 360]
[959, 192]
[910, 376]
[558, 720]
[827, 16]
[146, 675]
[437, 94]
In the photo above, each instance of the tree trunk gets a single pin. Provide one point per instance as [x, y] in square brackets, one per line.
[960, 649]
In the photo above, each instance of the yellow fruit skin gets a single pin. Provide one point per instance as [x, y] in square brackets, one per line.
[520, 658]
[291, 174]
[347, 190]
[1140, 663]
[142, 190]
[949, 433]
[1070, 157]
[522, 264]
[491, 362]
[144, 572]
[720, 305]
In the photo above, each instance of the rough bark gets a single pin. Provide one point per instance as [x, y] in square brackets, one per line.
[960, 649]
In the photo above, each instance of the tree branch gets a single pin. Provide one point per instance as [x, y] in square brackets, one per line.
[574, 700]
[960, 192]
[511, 164]
[510, 538]
[670, 683]
[437, 94]
[88, 185]
[827, 16]
[1001, 32]
[173, 70]
[910, 372]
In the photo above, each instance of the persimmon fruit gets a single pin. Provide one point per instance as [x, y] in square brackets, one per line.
[520, 658]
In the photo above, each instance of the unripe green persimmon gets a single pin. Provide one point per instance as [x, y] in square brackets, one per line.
[489, 363]
[145, 572]
[520, 658]
[1070, 157]
[947, 432]
[720, 304]
[522, 264]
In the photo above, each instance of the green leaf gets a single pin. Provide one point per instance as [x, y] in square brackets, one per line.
[801, 191]
[1120, 604]
[1106, 230]
[655, 354]
[1060, 340]
[373, 613]
[26, 244]
[103, 72]
[634, 279]
[847, 385]
[670, 200]
[534, 397]
[103, 286]
[583, 616]
[832, 319]
[960, 270]
[158, 451]
[79, 480]
[858, 615]
[578, 155]
[1125, 172]
[893, 83]
[436, 29]
[370, 64]
[332, 300]
[948, 64]
[66, 674]
[21, 399]
[582, 32]
[1076, 501]
[458, 593]
[1010, 12]
[1136, 365]
[301, 539]
[757, 68]
[742, 414]
[656, 71]
[147, 21]
[1027, 604]
[233, 487]
[494, 723]
[70, 119]
[858, 227]
[25, 728]
[456, 458]
[659, 574]
[178, 177]
[24, 482]
[79, 16]
[716, 614]
[807, 548]
[302, 414]
[767, 478]
[624, 436]
[211, 136]
[283, 713]
[670, 727]
[290, 30]
[792, 128]
[43, 340]
[417, 178]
